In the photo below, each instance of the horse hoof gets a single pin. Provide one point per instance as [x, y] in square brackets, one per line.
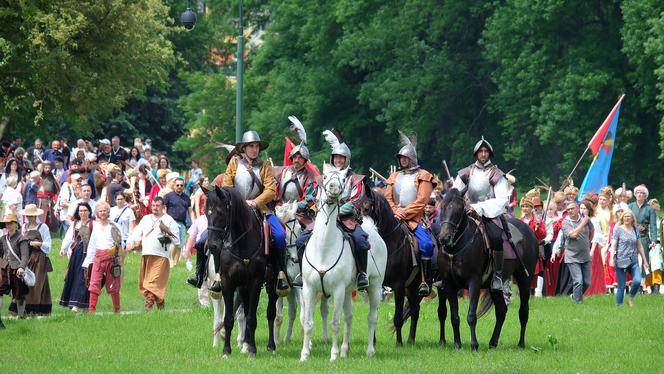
[252, 355]
[225, 356]
[411, 341]
[474, 347]
[457, 346]
[442, 343]
[371, 352]
[303, 358]
[522, 345]
[271, 348]
[399, 344]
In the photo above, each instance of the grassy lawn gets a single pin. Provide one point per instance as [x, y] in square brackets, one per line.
[594, 337]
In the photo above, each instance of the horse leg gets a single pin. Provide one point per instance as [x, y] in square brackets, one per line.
[375, 294]
[474, 290]
[454, 317]
[271, 314]
[217, 327]
[228, 319]
[241, 322]
[442, 314]
[500, 311]
[399, 298]
[524, 308]
[325, 312]
[414, 316]
[307, 320]
[250, 296]
[278, 320]
[292, 312]
[348, 322]
[339, 299]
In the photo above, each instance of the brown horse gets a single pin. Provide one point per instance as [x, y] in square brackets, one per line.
[400, 275]
[464, 261]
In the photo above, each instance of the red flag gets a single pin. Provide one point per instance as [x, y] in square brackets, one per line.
[287, 150]
[598, 139]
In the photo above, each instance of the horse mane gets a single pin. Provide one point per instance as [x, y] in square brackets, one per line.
[381, 210]
[239, 210]
[451, 195]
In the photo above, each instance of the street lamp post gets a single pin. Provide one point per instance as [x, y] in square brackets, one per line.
[188, 18]
[239, 81]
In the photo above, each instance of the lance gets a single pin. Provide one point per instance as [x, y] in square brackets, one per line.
[447, 172]
[377, 174]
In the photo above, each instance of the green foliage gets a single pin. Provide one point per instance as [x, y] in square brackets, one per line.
[79, 61]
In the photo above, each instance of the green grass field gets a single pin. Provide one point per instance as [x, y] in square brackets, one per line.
[594, 337]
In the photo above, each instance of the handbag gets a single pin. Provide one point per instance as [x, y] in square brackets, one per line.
[116, 268]
[29, 277]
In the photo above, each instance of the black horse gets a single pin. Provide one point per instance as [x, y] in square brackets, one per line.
[464, 261]
[235, 232]
[400, 274]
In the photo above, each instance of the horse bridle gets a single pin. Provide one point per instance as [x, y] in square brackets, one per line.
[455, 226]
[226, 231]
[328, 201]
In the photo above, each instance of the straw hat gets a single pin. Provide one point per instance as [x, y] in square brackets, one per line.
[161, 173]
[11, 217]
[31, 210]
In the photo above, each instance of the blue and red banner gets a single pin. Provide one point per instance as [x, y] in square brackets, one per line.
[601, 145]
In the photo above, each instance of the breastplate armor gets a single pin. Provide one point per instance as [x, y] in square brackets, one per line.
[244, 183]
[479, 186]
[404, 189]
[290, 192]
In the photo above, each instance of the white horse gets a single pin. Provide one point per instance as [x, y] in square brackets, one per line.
[286, 214]
[328, 267]
[218, 331]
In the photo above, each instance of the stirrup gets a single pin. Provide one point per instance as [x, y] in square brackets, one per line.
[297, 282]
[362, 281]
[195, 281]
[216, 284]
[497, 282]
[423, 290]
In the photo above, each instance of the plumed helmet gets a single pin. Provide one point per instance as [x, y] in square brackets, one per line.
[339, 147]
[298, 129]
[251, 137]
[484, 143]
[409, 142]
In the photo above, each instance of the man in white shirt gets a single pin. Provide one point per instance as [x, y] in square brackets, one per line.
[154, 233]
[123, 215]
[86, 192]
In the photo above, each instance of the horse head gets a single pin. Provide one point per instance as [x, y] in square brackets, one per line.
[333, 184]
[453, 217]
[217, 210]
[285, 212]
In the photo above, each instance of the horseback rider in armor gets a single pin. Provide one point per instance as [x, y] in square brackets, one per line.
[295, 183]
[348, 214]
[487, 190]
[408, 191]
[253, 178]
[200, 274]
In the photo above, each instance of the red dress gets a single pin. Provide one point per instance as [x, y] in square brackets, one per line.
[539, 229]
[551, 277]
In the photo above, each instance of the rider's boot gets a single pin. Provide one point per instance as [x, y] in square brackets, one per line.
[283, 288]
[198, 277]
[216, 282]
[497, 280]
[362, 279]
[424, 289]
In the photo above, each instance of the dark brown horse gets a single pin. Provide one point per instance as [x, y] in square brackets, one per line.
[400, 275]
[464, 261]
[235, 232]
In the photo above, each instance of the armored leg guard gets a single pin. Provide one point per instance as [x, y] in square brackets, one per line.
[362, 280]
[283, 288]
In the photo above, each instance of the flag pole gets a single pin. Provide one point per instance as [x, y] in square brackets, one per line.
[577, 163]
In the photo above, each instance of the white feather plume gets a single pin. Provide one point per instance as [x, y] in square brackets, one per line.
[297, 128]
[407, 139]
[227, 147]
[331, 138]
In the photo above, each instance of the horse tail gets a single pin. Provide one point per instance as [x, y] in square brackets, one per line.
[486, 302]
[404, 315]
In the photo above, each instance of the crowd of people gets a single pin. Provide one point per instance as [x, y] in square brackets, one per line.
[105, 200]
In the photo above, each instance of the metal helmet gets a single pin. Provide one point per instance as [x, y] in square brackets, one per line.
[338, 147]
[301, 149]
[251, 137]
[408, 150]
[481, 143]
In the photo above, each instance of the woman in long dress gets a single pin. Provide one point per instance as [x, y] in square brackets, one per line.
[38, 300]
[75, 294]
